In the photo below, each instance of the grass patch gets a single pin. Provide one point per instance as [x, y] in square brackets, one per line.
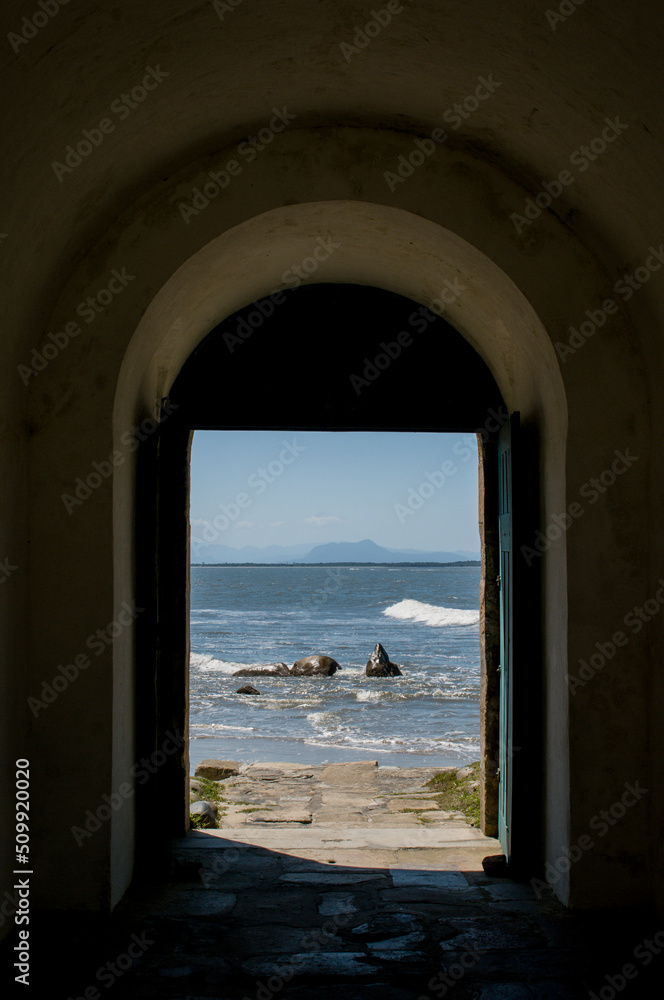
[196, 822]
[210, 791]
[456, 796]
[256, 809]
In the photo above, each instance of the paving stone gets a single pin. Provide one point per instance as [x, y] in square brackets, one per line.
[298, 908]
[280, 816]
[403, 878]
[335, 903]
[494, 932]
[403, 943]
[401, 957]
[401, 804]
[324, 879]
[307, 859]
[456, 901]
[353, 772]
[321, 964]
[509, 890]
[383, 925]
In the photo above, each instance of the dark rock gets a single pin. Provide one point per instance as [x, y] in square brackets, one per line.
[217, 770]
[269, 670]
[205, 811]
[379, 665]
[496, 865]
[315, 666]
[247, 689]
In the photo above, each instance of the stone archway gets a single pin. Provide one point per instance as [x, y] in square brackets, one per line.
[364, 244]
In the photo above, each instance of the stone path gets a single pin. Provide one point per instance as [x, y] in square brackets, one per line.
[362, 901]
[353, 795]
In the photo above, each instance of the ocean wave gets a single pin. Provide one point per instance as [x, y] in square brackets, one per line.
[431, 614]
[369, 695]
[207, 663]
[219, 726]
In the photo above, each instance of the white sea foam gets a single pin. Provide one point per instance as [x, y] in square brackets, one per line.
[219, 726]
[369, 695]
[431, 614]
[207, 663]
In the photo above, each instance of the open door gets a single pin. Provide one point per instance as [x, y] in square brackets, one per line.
[506, 448]
[162, 655]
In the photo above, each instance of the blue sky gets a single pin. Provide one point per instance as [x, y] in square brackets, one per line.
[286, 488]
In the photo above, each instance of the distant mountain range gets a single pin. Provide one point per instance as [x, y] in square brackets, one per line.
[355, 552]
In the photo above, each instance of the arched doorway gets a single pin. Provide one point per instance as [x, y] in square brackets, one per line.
[372, 360]
[408, 256]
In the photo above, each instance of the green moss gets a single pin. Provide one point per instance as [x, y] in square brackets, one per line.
[256, 809]
[456, 796]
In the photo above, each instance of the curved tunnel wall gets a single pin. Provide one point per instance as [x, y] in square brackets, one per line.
[120, 209]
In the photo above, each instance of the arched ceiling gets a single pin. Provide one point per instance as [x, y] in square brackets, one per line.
[224, 67]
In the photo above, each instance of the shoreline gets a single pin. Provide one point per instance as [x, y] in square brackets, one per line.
[359, 565]
[290, 751]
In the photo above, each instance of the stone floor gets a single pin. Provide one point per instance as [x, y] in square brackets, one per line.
[339, 907]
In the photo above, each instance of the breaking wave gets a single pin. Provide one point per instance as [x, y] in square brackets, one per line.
[431, 614]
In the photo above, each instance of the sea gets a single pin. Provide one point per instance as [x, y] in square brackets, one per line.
[427, 619]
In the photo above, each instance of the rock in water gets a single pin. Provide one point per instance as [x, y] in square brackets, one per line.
[247, 689]
[269, 670]
[315, 666]
[379, 665]
[217, 770]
